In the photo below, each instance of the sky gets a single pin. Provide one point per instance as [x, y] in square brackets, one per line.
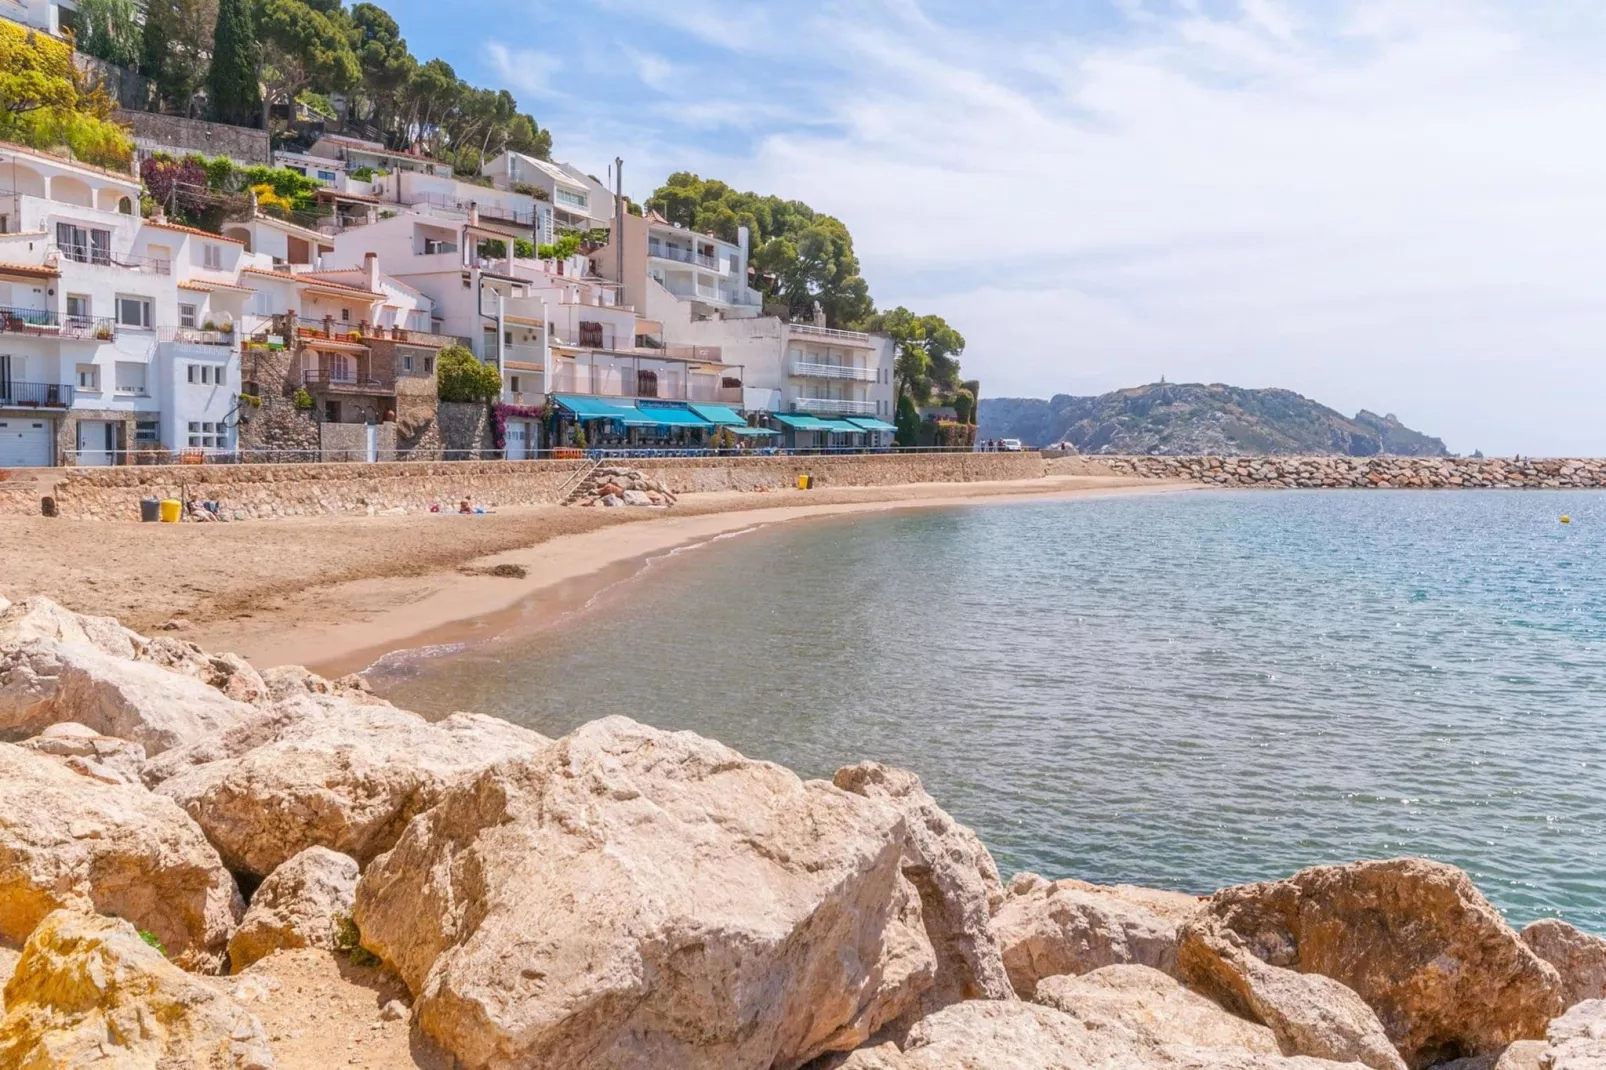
[1397, 205]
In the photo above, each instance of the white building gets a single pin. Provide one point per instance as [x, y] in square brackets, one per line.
[58, 17]
[102, 316]
[578, 201]
[354, 154]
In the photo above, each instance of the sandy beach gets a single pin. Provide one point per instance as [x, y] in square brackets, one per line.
[336, 592]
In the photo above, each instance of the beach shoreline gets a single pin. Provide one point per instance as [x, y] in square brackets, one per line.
[468, 605]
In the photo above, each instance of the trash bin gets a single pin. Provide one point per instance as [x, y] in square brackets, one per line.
[171, 510]
[150, 510]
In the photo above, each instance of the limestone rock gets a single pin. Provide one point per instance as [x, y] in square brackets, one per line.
[1579, 957]
[330, 773]
[38, 618]
[987, 1035]
[88, 992]
[1577, 1040]
[292, 681]
[45, 682]
[1522, 1055]
[1308, 1013]
[90, 754]
[631, 897]
[66, 841]
[303, 903]
[957, 881]
[1047, 928]
[1156, 1007]
[8, 966]
[1415, 939]
[228, 673]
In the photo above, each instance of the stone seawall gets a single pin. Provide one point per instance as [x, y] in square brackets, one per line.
[1448, 473]
[271, 490]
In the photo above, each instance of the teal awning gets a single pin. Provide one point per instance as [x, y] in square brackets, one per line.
[868, 423]
[841, 427]
[719, 414]
[593, 408]
[799, 422]
[663, 416]
[750, 432]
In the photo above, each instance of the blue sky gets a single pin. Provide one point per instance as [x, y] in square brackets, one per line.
[1391, 204]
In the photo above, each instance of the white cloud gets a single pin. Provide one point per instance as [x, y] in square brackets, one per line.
[1393, 204]
[526, 70]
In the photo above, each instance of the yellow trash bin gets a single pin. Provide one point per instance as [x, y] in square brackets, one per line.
[171, 510]
[805, 482]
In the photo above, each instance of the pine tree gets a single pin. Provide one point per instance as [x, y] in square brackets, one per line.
[232, 78]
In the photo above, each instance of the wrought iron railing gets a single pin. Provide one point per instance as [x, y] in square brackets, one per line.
[35, 395]
[44, 322]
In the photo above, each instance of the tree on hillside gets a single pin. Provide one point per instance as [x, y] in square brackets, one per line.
[231, 80]
[926, 360]
[109, 30]
[387, 66]
[801, 256]
[46, 103]
[303, 46]
[175, 49]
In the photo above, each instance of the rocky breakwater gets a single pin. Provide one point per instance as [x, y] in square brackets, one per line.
[1443, 473]
[288, 871]
[611, 487]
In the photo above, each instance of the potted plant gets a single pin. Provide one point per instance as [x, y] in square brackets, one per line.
[208, 325]
[103, 333]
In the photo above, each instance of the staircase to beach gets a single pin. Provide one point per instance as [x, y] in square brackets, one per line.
[584, 483]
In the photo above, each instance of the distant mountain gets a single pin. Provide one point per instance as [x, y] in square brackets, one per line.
[1178, 419]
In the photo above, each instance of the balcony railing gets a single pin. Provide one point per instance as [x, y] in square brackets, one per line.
[810, 370]
[663, 384]
[38, 321]
[195, 336]
[99, 257]
[854, 338]
[486, 209]
[35, 395]
[684, 256]
[333, 329]
[345, 382]
[834, 405]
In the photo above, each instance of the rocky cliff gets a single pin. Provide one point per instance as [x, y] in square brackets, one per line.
[1191, 419]
[283, 871]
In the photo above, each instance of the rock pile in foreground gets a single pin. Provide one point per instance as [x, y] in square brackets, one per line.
[175, 862]
[612, 487]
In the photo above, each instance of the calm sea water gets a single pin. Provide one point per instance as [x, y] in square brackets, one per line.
[1184, 691]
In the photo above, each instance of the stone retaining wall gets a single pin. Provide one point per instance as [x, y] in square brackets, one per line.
[1357, 472]
[256, 491]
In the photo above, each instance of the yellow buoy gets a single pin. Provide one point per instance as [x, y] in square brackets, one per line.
[1566, 520]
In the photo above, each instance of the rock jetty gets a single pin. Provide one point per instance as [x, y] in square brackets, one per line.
[1442, 473]
[178, 869]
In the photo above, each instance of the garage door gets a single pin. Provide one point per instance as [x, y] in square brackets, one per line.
[25, 443]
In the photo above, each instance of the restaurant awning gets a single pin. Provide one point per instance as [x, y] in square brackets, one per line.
[841, 427]
[750, 432]
[664, 416]
[593, 408]
[799, 422]
[719, 414]
[869, 423]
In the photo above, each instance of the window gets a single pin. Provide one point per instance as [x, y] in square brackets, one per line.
[130, 378]
[326, 176]
[569, 197]
[407, 362]
[5, 223]
[186, 315]
[206, 435]
[83, 245]
[145, 432]
[125, 206]
[646, 384]
[88, 377]
[100, 247]
[212, 256]
[429, 365]
[205, 374]
[345, 315]
[513, 383]
[77, 307]
[134, 311]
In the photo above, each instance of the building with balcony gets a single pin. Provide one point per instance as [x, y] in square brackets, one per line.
[506, 212]
[677, 273]
[358, 154]
[578, 201]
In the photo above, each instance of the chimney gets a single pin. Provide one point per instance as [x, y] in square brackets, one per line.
[370, 265]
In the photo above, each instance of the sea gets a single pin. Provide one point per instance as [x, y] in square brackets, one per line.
[1179, 690]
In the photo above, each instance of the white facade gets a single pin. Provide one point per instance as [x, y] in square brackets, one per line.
[356, 153]
[706, 272]
[578, 201]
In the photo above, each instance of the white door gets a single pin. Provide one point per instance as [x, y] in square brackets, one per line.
[95, 442]
[25, 443]
[373, 443]
[517, 440]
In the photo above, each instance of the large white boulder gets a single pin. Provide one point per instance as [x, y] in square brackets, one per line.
[322, 771]
[306, 902]
[1156, 1007]
[69, 841]
[88, 753]
[631, 897]
[89, 992]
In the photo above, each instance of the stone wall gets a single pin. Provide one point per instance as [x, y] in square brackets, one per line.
[276, 431]
[254, 491]
[465, 431]
[1357, 472]
[418, 434]
[349, 442]
[178, 136]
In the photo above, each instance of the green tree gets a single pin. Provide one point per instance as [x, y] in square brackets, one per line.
[46, 103]
[231, 80]
[460, 376]
[175, 49]
[908, 421]
[110, 30]
[303, 46]
[387, 66]
[926, 358]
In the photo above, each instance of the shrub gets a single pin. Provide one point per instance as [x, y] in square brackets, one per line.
[362, 174]
[460, 376]
[151, 939]
[301, 399]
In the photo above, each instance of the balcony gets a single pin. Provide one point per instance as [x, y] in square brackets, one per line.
[97, 256]
[15, 395]
[838, 406]
[665, 384]
[39, 322]
[333, 329]
[809, 370]
[195, 336]
[337, 381]
[846, 338]
[684, 256]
